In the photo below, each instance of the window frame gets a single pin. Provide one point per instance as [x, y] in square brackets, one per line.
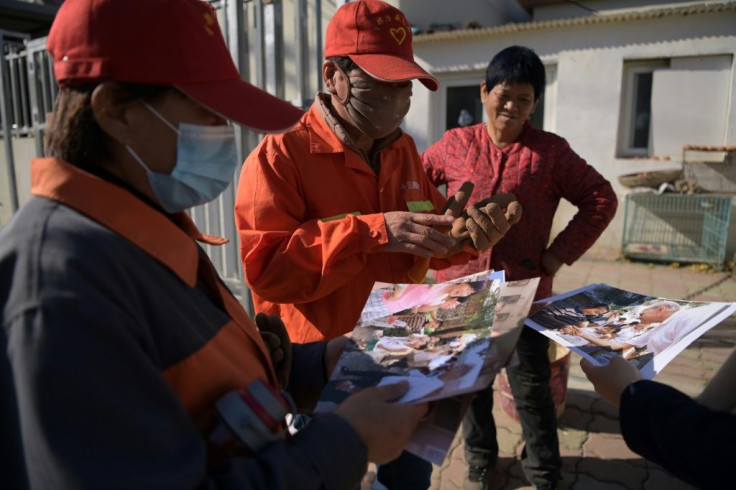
[632, 68]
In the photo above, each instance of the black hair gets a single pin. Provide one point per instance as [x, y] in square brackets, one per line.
[73, 134]
[516, 64]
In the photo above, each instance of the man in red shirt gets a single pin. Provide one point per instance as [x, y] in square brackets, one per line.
[508, 155]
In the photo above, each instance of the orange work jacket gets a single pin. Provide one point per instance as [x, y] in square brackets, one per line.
[204, 355]
[309, 213]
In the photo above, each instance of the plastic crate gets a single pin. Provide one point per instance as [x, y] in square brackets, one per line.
[676, 227]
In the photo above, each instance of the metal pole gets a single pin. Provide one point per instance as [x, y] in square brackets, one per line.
[231, 269]
[258, 49]
[7, 123]
[302, 53]
[237, 44]
[273, 23]
[33, 87]
[319, 55]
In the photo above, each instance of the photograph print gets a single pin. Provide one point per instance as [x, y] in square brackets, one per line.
[599, 322]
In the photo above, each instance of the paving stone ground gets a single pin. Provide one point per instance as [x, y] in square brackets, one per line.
[594, 454]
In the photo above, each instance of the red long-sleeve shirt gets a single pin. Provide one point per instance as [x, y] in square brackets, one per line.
[540, 169]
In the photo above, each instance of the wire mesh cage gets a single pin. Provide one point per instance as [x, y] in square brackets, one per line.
[676, 227]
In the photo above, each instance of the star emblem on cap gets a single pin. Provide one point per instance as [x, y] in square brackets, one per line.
[209, 21]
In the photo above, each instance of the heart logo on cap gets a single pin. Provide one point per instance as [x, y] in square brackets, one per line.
[399, 34]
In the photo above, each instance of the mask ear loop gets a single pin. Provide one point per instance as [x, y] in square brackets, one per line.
[160, 116]
[342, 99]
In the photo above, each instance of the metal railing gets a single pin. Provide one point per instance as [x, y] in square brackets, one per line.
[253, 29]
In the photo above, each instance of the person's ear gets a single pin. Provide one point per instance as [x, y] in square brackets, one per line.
[112, 111]
[483, 92]
[336, 81]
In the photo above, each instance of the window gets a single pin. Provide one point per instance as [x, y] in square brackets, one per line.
[666, 104]
[463, 106]
[636, 108]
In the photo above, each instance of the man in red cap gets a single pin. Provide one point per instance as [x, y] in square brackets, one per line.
[341, 200]
[126, 362]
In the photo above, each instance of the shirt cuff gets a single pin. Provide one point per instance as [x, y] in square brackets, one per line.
[307, 377]
[373, 232]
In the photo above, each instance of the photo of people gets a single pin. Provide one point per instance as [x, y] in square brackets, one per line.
[442, 349]
[433, 334]
[417, 298]
[600, 322]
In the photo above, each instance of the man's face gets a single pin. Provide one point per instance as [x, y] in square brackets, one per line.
[655, 314]
[375, 107]
[508, 105]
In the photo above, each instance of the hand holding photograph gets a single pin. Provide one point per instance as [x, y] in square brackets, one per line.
[447, 340]
[599, 322]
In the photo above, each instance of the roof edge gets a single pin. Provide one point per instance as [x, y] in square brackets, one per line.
[644, 14]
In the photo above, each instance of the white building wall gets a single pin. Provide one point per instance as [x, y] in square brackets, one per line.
[423, 13]
[589, 62]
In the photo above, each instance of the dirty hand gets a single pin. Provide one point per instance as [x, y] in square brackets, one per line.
[611, 380]
[453, 208]
[383, 425]
[277, 341]
[414, 233]
[486, 222]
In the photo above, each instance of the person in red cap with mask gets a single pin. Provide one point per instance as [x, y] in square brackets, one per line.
[127, 363]
[341, 200]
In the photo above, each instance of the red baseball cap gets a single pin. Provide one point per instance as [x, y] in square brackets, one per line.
[175, 43]
[377, 37]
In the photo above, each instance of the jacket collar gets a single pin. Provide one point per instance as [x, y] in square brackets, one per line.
[168, 239]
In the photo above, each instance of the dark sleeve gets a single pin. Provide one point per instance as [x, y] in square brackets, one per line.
[12, 463]
[96, 412]
[307, 377]
[594, 197]
[694, 443]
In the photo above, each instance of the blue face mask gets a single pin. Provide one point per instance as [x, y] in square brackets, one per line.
[206, 160]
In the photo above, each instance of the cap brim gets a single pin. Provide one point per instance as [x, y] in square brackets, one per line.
[245, 104]
[392, 68]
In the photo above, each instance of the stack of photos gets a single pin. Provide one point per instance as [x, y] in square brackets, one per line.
[434, 335]
[600, 321]
[441, 338]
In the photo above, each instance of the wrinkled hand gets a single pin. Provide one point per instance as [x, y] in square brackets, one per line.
[484, 224]
[333, 351]
[453, 208]
[414, 233]
[383, 425]
[550, 263]
[277, 341]
[611, 380]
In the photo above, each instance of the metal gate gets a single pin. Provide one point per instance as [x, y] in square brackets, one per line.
[27, 92]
